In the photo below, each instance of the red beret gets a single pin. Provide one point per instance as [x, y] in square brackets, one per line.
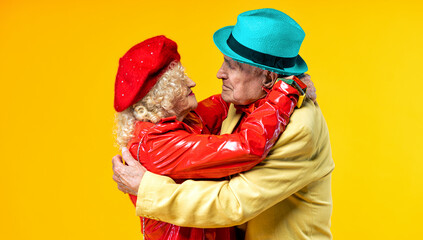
[141, 67]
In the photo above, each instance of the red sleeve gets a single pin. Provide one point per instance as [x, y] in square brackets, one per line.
[171, 148]
[212, 111]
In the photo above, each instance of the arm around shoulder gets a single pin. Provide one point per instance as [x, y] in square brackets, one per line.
[287, 169]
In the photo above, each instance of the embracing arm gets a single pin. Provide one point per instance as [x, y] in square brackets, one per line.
[170, 149]
[300, 156]
[212, 111]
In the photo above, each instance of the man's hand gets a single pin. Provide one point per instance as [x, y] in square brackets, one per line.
[129, 176]
[311, 90]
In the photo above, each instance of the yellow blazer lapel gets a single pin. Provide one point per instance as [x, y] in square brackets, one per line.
[231, 120]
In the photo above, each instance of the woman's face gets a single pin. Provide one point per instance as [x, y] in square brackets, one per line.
[188, 102]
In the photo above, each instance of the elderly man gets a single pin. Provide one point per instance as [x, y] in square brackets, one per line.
[288, 195]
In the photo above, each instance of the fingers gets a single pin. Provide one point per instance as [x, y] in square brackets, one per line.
[122, 188]
[312, 95]
[128, 157]
[311, 90]
[117, 161]
[125, 189]
[117, 168]
[128, 177]
[305, 77]
[116, 178]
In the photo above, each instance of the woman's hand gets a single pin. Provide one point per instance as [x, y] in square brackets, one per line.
[128, 176]
[311, 90]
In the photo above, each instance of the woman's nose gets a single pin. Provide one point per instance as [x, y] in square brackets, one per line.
[191, 83]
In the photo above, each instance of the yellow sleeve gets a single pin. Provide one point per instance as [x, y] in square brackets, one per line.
[292, 164]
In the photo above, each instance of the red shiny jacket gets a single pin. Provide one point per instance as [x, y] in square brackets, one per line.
[192, 150]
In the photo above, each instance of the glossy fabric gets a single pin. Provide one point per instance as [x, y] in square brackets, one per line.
[286, 196]
[186, 150]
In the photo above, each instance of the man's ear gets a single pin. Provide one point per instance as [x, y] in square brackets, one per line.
[269, 79]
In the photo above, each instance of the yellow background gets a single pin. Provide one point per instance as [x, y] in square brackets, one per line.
[57, 67]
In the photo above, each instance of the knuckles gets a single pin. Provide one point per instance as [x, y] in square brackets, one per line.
[117, 170]
[121, 188]
[115, 178]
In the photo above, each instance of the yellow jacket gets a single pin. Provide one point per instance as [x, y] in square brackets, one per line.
[286, 196]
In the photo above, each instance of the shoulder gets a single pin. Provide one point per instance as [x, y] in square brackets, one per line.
[141, 126]
[167, 127]
[307, 130]
[307, 119]
[164, 125]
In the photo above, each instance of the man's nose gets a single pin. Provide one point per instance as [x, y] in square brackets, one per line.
[220, 73]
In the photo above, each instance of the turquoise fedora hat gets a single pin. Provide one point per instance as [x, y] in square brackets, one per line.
[265, 38]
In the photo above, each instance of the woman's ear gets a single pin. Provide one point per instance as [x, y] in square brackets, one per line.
[269, 79]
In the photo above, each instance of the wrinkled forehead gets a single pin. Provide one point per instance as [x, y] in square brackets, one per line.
[244, 67]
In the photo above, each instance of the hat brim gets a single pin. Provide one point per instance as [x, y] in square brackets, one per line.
[221, 36]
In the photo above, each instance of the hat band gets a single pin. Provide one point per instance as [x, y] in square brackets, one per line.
[258, 57]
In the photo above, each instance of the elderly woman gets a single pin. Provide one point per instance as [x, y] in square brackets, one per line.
[160, 123]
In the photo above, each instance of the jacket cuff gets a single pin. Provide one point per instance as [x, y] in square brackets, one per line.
[147, 189]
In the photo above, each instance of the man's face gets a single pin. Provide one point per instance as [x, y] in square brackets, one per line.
[241, 83]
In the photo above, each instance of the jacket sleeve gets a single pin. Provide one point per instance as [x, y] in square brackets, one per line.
[173, 151]
[294, 162]
[212, 111]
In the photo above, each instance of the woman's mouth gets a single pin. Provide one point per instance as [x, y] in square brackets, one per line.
[191, 94]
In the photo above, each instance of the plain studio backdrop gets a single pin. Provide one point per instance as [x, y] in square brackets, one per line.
[57, 69]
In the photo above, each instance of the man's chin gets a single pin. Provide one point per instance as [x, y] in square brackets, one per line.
[227, 98]
[231, 100]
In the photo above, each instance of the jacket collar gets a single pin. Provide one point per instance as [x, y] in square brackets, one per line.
[248, 109]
